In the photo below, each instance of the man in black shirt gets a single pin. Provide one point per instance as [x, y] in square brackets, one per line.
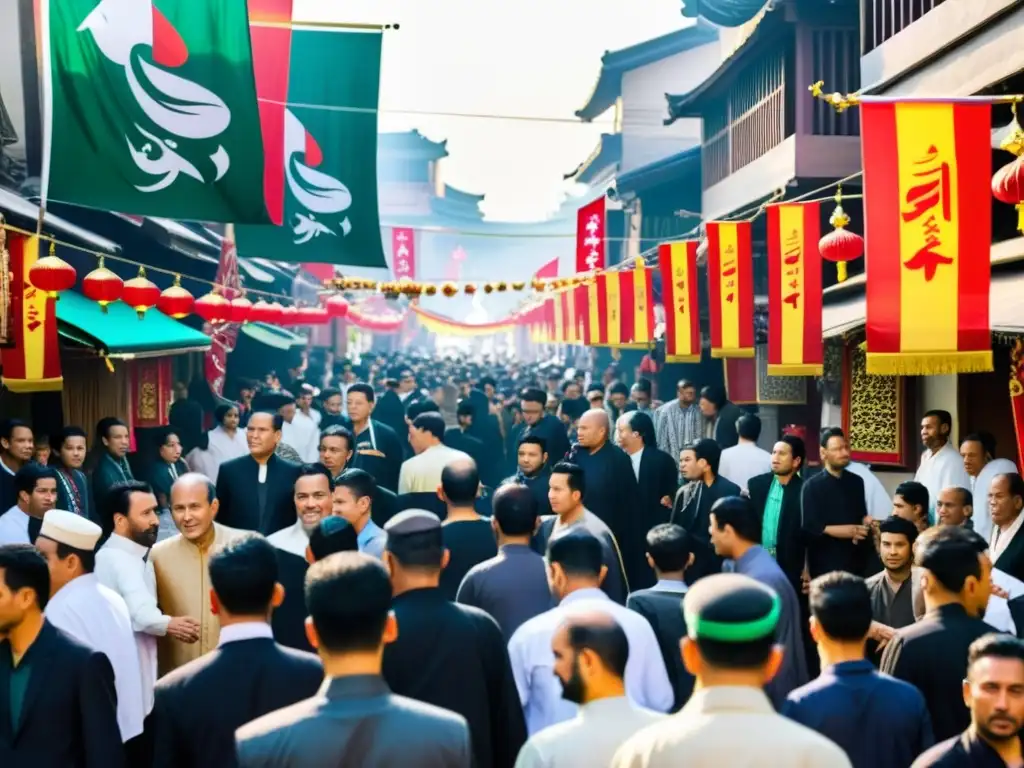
[835, 514]
[532, 470]
[556, 438]
[467, 536]
[931, 654]
[995, 676]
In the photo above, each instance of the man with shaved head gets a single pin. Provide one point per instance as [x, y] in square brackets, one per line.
[180, 563]
[611, 486]
[590, 650]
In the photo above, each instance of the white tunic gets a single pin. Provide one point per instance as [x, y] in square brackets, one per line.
[422, 473]
[940, 470]
[302, 435]
[292, 539]
[14, 527]
[876, 498]
[981, 518]
[120, 566]
[744, 461]
[97, 617]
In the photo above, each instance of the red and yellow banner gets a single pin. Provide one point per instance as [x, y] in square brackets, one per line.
[642, 305]
[32, 363]
[446, 326]
[590, 236]
[582, 299]
[795, 346]
[927, 202]
[678, 264]
[613, 302]
[730, 289]
[571, 326]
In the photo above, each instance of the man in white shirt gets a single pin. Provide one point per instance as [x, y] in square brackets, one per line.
[941, 464]
[745, 459]
[36, 493]
[422, 473]
[122, 564]
[876, 498]
[575, 571]
[304, 406]
[591, 652]
[299, 431]
[89, 612]
[313, 502]
[978, 451]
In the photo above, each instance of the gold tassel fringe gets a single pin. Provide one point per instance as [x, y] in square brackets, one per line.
[796, 369]
[742, 352]
[682, 358]
[928, 363]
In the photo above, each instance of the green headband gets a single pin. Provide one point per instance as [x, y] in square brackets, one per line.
[744, 632]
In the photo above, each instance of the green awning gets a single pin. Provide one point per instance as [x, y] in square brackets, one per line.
[120, 333]
[273, 336]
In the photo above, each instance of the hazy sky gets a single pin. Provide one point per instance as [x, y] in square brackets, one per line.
[503, 57]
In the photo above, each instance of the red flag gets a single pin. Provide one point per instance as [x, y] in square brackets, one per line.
[590, 236]
[678, 264]
[731, 289]
[548, 271]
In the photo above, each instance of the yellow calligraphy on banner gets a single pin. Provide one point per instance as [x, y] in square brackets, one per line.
[929, 223]
[791, 231]
[641, 333]
[728, 282]
[611, 286]
[680, 291]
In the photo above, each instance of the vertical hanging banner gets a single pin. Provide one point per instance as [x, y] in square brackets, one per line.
[597, 308]
[560, 308]
[627, 315]
[328, 139]
[613, 303]
[165, 101]
[571, 325]
[795, 346]
[150, 392]
[590, 236]
[678, 265]
[32, 363]
[928, 227]
[403, 253]
[581, 300]
[730, 289]
[642, 305]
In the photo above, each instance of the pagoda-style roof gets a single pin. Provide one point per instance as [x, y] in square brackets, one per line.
[607, 154]
[724, 13]
[680, 168]
[614, 64]
[411, 144]
[759, 39]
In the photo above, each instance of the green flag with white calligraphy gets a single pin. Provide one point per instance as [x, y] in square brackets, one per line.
[329, 134]
[151, 108]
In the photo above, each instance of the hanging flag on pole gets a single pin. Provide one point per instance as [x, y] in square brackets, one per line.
[590, 236]
[730, 289]
[678, 264]
[795, 346]
[928, 227]
[328, 134]
[150, 110]
[403, 253]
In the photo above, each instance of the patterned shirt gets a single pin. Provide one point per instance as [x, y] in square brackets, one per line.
[772, 514]
[677, 426]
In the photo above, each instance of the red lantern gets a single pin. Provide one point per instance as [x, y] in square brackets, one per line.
[265, 312]
[289, 315]
[102, 286]
[313, 316]
[176, 301]
[840, 245]
[213, 307]
[470, 289]
[51, 274]
[337, 306]
[140, 293]
[1008, 187]
[240, 309]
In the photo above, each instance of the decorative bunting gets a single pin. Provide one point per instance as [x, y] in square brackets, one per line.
[590, 236]
[730, 289]
[446, 326]
[32, 364]
[678, 264]
[928, 211]
[795, 346]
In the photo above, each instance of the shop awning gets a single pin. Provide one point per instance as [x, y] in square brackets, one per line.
[15, 204]
[120, 333]
[273, 336]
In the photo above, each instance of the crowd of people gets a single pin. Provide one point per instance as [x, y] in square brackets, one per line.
[422, 562]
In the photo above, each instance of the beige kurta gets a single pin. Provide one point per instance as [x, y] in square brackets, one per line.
[183, 589]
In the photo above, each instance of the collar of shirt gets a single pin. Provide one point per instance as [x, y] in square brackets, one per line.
[370, 531]
[353, 686]
[635, 458]
[603, 708]
[247, 630]
[590, 593]
[729, 698]
[6, 469]
[510, 550]
[1001, 539]
[71, 590]
[126, 545]
[744, 560]
[858, 667]
[17, 516]
[669, 585]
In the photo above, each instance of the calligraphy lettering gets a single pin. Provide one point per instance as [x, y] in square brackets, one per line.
[920, 200]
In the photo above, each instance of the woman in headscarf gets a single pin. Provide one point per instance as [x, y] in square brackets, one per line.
[167, 465]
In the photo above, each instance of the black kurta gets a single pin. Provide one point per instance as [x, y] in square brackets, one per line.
[611, 488]
[828, 500]
[659, 478]
[454, 656]
[247, 504]
[538, 485]
[555, 437]
[692, 511]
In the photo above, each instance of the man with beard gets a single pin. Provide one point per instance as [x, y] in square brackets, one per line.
[122, 564]
[313, 502]
[991, 690]
[546, 426]
[533, 472]
[591, 651]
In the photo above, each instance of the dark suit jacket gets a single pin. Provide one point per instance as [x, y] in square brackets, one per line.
[200, 705]
[659, 477]
[931, 655]
[790, 543]
[105, 475]
[385, 506]
[725, 429]
[289, 618]
[664, 612]
[8, 496]
[468, 444]
[356, 721]
[69, 714]
[390, 410]
[1011, 561]
[236, 491]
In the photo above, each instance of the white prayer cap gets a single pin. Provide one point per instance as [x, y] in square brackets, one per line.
[70, 529]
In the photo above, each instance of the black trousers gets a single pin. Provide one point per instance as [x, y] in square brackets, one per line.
[138, 751]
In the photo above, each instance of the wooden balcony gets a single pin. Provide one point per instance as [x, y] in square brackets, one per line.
[881, 19]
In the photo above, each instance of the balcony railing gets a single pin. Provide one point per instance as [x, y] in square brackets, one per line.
[881, 19]
[836, 61]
